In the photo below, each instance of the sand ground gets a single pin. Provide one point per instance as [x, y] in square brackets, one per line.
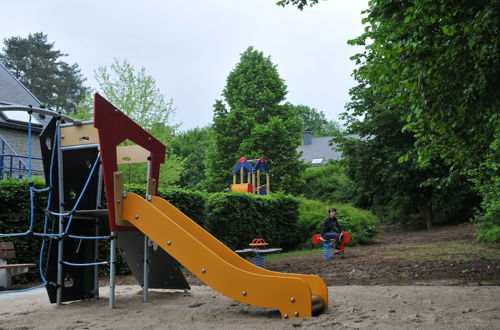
[351, 307]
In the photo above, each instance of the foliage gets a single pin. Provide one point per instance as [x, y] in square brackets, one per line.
[436, 64]
[191, 146]
[36, 64]
[299, 3]
[85, 108]
[237, 218]
[360, 224]
[328, 183]
[316, 122]
[488, 234]
[253, 123]
[135, 93]
[191, 203]
[396, 191]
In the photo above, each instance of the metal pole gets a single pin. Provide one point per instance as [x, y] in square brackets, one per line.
[96, 243]
[60, 181]
[145, 287]
[112, 271]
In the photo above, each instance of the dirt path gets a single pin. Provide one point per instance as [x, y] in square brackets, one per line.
[443, 256]
[407, 280]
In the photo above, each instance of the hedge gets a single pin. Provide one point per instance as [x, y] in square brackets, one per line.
[233, 218]
[237, 218]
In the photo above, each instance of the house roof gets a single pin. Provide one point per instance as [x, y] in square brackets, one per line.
[318, 150]
[12, 91]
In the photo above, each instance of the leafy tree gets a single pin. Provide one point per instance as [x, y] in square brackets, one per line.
[135, 93]
[399, 192]
[328, 183]
[35, 63]
[253, 122]
[191, 146]
[439, 62]
[315, 121]
[299, 3]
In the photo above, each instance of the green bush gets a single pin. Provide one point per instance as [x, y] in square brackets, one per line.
[328, 183]
[189, 202]
[361, 225]
[237, 218]
[488, 234]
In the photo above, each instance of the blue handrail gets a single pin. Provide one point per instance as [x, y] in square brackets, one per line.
[12, 164]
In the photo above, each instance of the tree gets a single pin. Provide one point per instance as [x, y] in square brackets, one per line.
[440, 62]
[254, 122]
[398, 192]
[192, 146]
[135, 93]
[315, 121]
[299, 3]
[36, 64]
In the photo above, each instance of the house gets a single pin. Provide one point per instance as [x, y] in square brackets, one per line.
[14, 129]
[316, 151]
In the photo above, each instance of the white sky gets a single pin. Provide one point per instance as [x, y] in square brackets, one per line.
[190, 47]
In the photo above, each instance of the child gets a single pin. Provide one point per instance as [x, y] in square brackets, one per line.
[331, 227]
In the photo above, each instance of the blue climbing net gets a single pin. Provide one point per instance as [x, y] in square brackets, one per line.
[45, 235]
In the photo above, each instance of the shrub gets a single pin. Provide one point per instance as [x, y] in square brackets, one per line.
[237, 218]
[328, 183]
[488, 234]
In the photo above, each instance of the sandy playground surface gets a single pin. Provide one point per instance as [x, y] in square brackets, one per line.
[352, 307]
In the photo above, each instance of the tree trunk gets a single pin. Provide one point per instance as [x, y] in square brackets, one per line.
[430, 217]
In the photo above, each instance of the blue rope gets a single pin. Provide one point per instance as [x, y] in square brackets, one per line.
[89, 237]
[86, 264]
[41, 190]
[32, 206]
[30, 176]
[24, 290]
[71, 212]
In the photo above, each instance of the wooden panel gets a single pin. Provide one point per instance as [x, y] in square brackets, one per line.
[17, 266]
[131, 155]
[7, 254]
[118, 202]
[6, 246]
[151, 188]
[78, 135]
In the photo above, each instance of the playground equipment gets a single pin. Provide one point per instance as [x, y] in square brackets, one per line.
[344, 238]
[81, 161]
[253, 184]
[256, 249]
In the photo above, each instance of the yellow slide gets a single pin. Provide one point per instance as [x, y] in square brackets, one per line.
[294, 295]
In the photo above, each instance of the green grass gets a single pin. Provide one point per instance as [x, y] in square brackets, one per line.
[446, 251]
[285, 255]
[297, 253]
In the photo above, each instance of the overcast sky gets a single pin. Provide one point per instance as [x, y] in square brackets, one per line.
[190, 47]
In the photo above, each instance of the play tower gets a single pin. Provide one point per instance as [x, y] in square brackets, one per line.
[89, 204]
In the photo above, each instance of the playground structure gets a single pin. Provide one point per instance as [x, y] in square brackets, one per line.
[258, 250]
[253, 174]
[88, 202]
